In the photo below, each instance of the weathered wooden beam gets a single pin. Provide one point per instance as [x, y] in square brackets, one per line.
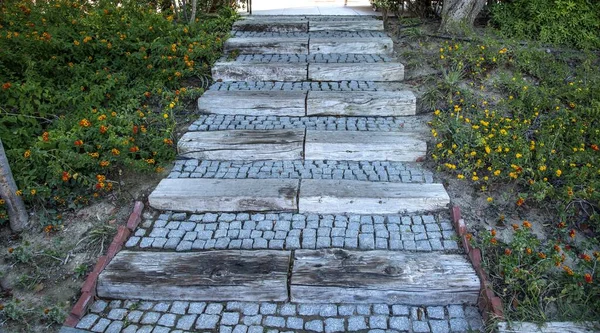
[362, 197]
[361, 103]
[225, 195]
[346, 25]
[271, 25]
[351, 45]
[198, 276]
[251, 145]
[267, 45]
[364, 146]
[340, 276]
[247, 71]
[258, 103]
[382, 71]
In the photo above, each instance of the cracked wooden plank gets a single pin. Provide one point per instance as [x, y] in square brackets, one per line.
[258, 103]
[341, 276]
[250, 145]
[364, 146]
[326, 196]
[381, 71]
[267, 45]
[351, 45]
[361, 103]
[246, 71]
[225, 195]
[197, 276]
[343, 25]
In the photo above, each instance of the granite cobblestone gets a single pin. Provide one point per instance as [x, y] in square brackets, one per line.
[302, 231]
[214, 122]
[311, 58]
[313, 34]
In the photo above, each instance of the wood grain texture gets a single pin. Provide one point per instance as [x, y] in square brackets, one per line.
[388, 71]
[364, 146]
[225, 195]
[351, 25]
[271, 25]
[549, 327]
[258, 103]
[363, 197]
[361, 103]
[267, 45]
[244, 71]
[198, 276]
[355, 45]
[341, 276]
[251, 145]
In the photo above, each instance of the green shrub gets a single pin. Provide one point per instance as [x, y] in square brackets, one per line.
[566, 22]
[91, 88]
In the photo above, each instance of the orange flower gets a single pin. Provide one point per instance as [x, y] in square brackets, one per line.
[588, 277]
[507, 251]
[135, 129]
[515, 226]
[85, 123]
[572, 233]
[541, 255]
[526, 224]
[27, 153]
[134, 149]
[6, 86]
[528, 250]
[66, 176]
[520, 202]
[595, 147]
[10, 250]
[46, 311]
[168, 142]
[99, 186]
[469, 237]
[48, 229]
[103, 129]
[567, 270]
[104, 163]
[562, 225]
[494, 241]
[585, 257]
[493, 232]
[46, 136]
[557, 248]
[78, 143]
[115, 152]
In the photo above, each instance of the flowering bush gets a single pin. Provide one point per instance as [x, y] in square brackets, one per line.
[91, 88]
[536, 125]
[541, 279]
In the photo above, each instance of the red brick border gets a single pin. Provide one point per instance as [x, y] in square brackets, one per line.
[488, 302]
[88, 289]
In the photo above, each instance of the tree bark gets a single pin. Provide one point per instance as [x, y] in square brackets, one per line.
[17, 213]
[194, 8]
[458, 15]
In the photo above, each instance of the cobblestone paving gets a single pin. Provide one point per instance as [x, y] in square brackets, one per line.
[309, 169]
[214, 122]
[312, 58]
[314, 34]
[185, 232]
[243, 317]
[302, 86]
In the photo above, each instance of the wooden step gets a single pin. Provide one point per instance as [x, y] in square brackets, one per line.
[382, 71]
[267, 45]
[250, 145]
[361, 103]
[364, 146]
[346, 25]
[362, 197]
[207, 276]
[246, 71]
[351, 45]
[263, 103]
[225, 195]
[271, 25]
[340, 276]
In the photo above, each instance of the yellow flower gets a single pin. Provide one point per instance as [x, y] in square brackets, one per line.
[490, 199]
[487, 149]
[27, 153]
[518, 155]
[33, 192]
[19, 193]
[558, 173]
[497, 173]
[165, 116]
[460, 176]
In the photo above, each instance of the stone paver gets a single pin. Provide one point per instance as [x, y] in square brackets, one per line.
[286, 230]
[261, 317]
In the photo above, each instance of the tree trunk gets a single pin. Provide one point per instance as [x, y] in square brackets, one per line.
[194, 8]
[17, 213]
[458, 15]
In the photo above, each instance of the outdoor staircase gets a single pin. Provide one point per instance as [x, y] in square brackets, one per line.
[298, 202]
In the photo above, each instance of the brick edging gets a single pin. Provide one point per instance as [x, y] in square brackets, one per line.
[488, 302]
[88, 289]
